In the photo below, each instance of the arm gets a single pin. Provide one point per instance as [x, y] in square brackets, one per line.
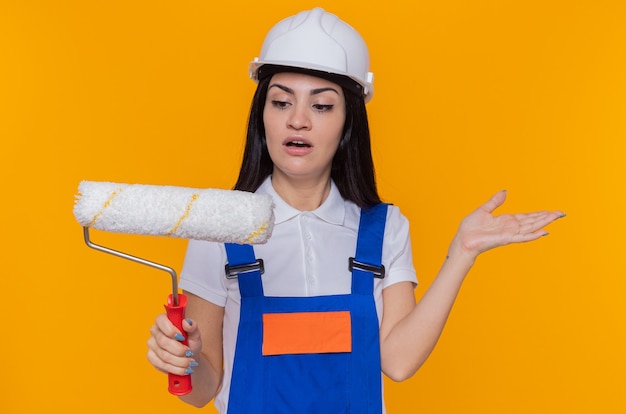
[410, 331]
[205, 342]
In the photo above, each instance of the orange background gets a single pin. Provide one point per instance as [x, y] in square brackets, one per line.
[471, 97]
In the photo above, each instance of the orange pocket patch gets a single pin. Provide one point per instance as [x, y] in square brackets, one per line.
[307, 333]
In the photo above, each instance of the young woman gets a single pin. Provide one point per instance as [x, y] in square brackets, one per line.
[333, 305]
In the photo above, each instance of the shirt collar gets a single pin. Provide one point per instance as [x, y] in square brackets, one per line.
[332, 210]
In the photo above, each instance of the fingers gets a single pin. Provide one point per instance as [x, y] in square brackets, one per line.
[540, 216]
[190, 328]
[482, 230]
[532, 225]
[165, 351]
[169, 363]
[494, 202]
[539, 219]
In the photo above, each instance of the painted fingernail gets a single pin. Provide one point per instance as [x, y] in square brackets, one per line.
[189, 321]
[545, 234]
[193, 364]
[189, 371]
[179, 337]
[188, 353]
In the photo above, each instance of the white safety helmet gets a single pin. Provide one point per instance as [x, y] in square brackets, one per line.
[320, 41]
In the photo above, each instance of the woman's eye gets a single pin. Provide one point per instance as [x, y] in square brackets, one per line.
[322, 108]
[280, 104]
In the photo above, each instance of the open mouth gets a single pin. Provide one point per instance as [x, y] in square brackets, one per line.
[298, 144]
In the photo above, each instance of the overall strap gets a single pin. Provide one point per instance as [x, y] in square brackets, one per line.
[367, 262]
[243, 265]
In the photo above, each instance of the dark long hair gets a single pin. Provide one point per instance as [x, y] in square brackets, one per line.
[352, 167]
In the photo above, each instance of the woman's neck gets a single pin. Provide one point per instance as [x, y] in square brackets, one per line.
[302, 194]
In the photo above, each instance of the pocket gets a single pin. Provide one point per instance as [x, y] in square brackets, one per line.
[307, 383]
[307, 333]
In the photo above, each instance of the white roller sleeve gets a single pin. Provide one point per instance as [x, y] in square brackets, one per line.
[225, 216]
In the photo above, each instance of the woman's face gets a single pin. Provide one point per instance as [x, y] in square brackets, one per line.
[304, 118]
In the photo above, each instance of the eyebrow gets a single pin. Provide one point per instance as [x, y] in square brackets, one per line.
[313, 91]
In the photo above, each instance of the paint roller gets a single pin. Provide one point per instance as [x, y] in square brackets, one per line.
[224, 216]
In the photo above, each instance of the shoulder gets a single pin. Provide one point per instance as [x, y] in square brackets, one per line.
[397, 239]
[395, 219]
[397, 250]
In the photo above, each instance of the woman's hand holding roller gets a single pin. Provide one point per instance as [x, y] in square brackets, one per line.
[202, 357]
[166, 351]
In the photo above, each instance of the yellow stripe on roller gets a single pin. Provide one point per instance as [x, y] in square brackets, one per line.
[194, 197]
[104, 207]
[252, 236]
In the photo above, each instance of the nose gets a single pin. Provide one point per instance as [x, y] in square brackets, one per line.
[298, 118]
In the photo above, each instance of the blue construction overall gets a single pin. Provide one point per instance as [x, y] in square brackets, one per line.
[338, 369]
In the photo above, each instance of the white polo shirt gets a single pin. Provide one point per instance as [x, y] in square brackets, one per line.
[307, 255]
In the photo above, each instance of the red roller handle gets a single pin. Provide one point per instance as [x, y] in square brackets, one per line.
[178, 384]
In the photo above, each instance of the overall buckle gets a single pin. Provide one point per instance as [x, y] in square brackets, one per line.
[378, 271]
[233, 271]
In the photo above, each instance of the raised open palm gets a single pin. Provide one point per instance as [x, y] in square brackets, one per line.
[482, 230]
